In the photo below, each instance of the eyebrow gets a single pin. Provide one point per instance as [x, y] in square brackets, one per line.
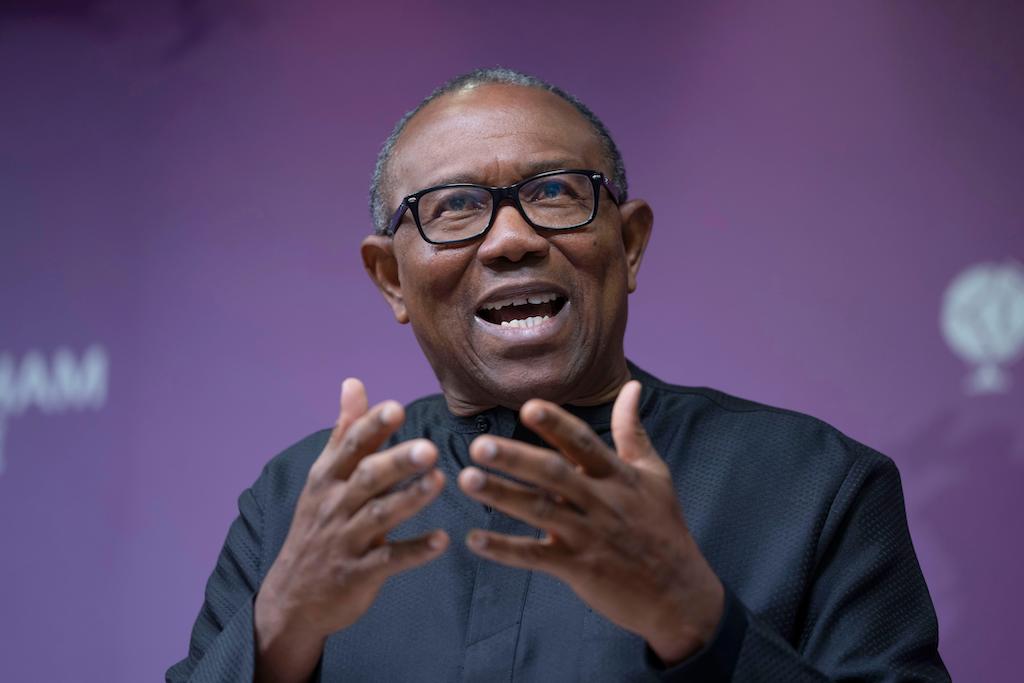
[530, 169]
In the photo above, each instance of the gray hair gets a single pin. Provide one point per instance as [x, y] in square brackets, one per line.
[379, 185]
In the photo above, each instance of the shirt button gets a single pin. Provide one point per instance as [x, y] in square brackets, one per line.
[482, 425]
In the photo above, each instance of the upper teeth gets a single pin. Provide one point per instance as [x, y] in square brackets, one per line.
[533, 299]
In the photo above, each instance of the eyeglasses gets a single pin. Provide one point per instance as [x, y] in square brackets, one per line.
[458, 212]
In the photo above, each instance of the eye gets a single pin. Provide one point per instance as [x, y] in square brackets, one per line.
[550, 189]
[553, 190]
[460, 202]
[453, 203]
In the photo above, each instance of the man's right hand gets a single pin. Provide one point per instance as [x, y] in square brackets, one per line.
[336, 557]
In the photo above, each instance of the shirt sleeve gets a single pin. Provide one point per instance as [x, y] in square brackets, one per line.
[222, 647]
[868, 614]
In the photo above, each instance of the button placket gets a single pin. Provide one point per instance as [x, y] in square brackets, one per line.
[483, 425]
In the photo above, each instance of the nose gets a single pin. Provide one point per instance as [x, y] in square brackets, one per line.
[511, 239]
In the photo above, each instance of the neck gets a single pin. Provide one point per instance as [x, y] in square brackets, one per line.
[463, 403]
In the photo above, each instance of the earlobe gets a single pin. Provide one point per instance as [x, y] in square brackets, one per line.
[637, 222]
[378, 253]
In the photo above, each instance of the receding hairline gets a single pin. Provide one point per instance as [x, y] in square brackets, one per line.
[381, 184]
[411, 125]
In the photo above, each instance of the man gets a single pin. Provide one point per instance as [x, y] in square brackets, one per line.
[557, 513]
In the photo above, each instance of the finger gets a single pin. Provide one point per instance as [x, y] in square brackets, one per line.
[570, 435]
[363, 437]
[353, 404]
[377, 473]
[398, 556]
[542, 467]
[530, 505]
[518, 551]
[629, 435]
[382, 514]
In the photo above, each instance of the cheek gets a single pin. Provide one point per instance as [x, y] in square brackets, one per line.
[600, 262]
[432, 283]
[601, 270]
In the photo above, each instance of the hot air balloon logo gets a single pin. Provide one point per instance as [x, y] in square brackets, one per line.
[983, 322]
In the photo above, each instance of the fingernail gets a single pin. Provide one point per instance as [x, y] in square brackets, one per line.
[426, 483]
[488, 450]
[540, 414]
[436, 541]
[420, 454]
[473, 479]
[477, 541]
[389, 413]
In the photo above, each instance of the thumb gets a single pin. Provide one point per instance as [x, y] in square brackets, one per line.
[353, 406]
[630, 437]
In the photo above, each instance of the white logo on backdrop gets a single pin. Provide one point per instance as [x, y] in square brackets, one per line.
[61, 383]
[983, 322]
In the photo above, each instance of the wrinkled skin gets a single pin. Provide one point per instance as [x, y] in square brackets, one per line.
[498, 135]
[335, 557]
[615, 532]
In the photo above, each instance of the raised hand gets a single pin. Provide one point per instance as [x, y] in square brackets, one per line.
[335, 557]
[615, 530]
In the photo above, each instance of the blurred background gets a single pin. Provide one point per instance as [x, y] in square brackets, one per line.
[839, 230]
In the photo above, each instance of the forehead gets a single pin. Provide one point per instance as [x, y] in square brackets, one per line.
[492, 134]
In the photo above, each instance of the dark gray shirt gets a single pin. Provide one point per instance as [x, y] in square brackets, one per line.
[805, 527]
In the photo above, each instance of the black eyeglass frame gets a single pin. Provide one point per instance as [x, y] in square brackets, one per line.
[499, 195]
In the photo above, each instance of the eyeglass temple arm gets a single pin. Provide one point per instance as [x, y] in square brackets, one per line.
[612, 188]
[396, 218]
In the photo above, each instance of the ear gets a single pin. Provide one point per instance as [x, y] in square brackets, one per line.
[381, 265]
[637, 222]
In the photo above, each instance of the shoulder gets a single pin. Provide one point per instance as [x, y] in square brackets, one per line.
[285, 474]
[738, 429]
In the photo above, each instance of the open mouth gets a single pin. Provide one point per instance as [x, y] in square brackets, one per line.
[527, 311]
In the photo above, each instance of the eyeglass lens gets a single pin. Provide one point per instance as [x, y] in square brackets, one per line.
[560, 201]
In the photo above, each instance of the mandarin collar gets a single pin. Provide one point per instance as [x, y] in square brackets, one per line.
[504, 421]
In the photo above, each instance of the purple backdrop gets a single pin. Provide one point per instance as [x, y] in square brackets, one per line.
[182, 192]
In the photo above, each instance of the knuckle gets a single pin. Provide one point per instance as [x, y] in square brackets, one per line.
[366, 475]
[542, 507]
[385, 554]
[327, 505]
[631, 476]
[508, 456]
[317, 473]
[415, 491]
[582, 441]
[378, 511]
[358, 435]
[351, 442]
[555, 469]
[324, 511]
[534, 552]
[344, 574]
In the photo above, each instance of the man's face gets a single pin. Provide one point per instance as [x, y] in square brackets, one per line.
[499, 135]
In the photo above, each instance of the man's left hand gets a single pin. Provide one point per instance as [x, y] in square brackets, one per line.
[615, 532]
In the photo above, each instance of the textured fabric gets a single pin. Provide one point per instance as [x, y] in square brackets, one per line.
[805, 527]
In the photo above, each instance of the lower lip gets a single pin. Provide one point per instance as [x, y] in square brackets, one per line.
[541, 332]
